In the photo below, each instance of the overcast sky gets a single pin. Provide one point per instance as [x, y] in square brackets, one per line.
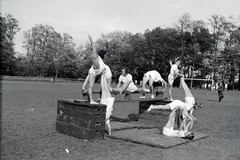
[79, 18]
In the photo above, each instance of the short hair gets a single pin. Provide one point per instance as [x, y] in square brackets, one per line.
[197, 106]
[101, 53]
[177, 59]
[126, 70]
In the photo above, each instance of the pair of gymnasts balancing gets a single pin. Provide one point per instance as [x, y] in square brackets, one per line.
[100, 68]
[186, 108]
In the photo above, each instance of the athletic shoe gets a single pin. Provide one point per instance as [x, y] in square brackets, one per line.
[190, 136]
[152, 97]
[107, 132]
[142, 97]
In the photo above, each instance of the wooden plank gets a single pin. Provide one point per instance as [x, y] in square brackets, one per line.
[83, 123]
[84, 107]
[78, 132]
[87, 114]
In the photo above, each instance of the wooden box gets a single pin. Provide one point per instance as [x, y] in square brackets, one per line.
[81, 119]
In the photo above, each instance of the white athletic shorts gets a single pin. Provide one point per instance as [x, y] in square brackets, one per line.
[189, 101]
[109, 103]
[177, 103]
[108, 73]
[172, 133]
[100, 69]
[170, 79]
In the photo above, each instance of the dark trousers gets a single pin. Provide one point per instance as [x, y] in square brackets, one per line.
[220, 95]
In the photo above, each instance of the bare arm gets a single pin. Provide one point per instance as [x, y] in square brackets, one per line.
[94, 52]
[188, 115]
[189, 125]
[177, 73]
[119, 83]
[170, 62]
[125, 87]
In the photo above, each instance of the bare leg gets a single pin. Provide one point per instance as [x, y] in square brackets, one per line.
[170, 91]
[117, 90]
[171, 119]
[94, 54]
[167, 106]
[151, 87]
[91, 83]
[145, 80]
[186, 89]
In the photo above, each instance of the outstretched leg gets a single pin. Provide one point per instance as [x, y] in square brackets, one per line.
[94, 54]
[91, 83]
[167, 106]
[151, 87]
[170, 81]
[171, 119]
[185, 88]
[145, 80]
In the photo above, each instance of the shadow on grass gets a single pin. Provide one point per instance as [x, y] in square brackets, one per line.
[131, 117]
[212, 100]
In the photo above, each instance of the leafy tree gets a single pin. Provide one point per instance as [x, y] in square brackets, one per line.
[119, 51]
[49, 53]
[162, 45]
[232, 57]
[9, 28]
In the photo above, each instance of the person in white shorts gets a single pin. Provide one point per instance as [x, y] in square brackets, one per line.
[106, 99]
[174, 72]
[127, 81]
[97, 68]
[168, 129]
[108, 76]
[186, 107]
[150, 77]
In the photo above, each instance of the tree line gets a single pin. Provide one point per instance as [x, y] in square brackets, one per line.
[207, 49]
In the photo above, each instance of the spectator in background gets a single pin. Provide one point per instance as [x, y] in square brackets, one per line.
[220, 91]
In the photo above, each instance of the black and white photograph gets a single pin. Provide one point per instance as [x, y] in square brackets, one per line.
[120, 79]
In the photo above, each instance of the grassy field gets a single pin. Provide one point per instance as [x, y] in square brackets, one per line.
[29, 117]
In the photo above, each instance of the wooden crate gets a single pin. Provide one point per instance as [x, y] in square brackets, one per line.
[81, 119]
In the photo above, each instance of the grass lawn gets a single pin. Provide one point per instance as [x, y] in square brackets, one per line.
[28, 120]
